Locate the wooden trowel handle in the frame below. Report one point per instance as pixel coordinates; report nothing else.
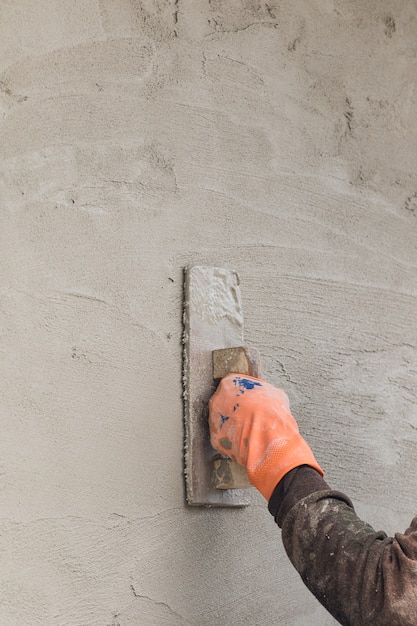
(228, 474)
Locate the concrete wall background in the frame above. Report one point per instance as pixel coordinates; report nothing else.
(276, 138)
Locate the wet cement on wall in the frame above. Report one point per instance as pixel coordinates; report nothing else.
(275, 138)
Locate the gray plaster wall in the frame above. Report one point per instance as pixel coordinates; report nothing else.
(276, 138)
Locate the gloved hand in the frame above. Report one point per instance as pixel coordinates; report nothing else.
(251, 422)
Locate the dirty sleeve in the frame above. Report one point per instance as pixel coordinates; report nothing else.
(361, 576)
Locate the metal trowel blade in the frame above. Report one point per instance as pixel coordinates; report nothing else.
(213, 319)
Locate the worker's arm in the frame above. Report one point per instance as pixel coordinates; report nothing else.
(362, 577)
(359, 575)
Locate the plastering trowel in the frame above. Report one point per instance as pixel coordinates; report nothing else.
(213, 347)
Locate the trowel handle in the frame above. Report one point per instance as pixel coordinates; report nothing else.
(228, 474)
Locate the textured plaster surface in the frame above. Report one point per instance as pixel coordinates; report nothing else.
(277, 138)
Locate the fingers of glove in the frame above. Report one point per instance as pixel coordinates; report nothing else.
(248, 412)
(235, 387)
(226, 431)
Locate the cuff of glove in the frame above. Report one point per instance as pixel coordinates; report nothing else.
(281, 456)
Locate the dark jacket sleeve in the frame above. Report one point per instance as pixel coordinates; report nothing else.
(362, 577)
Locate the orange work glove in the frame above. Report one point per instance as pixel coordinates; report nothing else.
(251, 422)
